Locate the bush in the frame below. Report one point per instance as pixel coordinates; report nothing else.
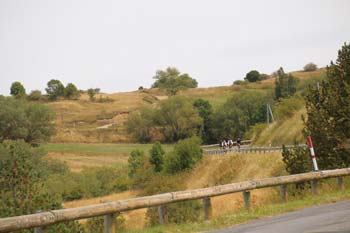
(71, 92)
(157, 156)
(54, 89)
(96, 225)
(239, 82)
(310, 67)
(186, 154)
(35, 95)
(287, 107)
(135, 161)
(252, 76)
(91, 92)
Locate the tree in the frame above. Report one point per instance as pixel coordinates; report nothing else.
(177, 119)
(285, 84)
(141, 124)
(328, 111)
(22, 171)
(186, 154)
(32, 122)
(91, 92)
(205, 111)
(238, 113)
(310, 67)
(135, 161)
(252, 76)
(157, 156)
(172, 81)
(71, 91)
(17, 90)
(54, 89)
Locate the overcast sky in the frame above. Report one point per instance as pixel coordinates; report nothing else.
(119, 45)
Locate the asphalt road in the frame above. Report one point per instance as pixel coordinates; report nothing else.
(330, 218)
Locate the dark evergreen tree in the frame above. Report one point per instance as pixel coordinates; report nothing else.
(286, 84)
(157, 156)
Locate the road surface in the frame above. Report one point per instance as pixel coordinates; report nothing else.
(330, 218)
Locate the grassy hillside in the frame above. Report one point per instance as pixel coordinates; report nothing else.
(84, 121)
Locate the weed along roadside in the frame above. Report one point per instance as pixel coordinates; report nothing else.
(110, 208)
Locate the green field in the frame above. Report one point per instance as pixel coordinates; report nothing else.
(102, 148)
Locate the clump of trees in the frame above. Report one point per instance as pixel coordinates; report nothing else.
(175, 119)
(31, 122)
(310, 67)
(172, 81)
(285, 84)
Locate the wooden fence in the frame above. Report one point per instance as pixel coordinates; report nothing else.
(249, 149)
(110, 209)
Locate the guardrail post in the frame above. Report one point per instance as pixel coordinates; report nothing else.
(110, 223)
(314, 187)
(207, 208)
(340, 182)
(38, 229)
(163, 215)
(246, 197)
(283, 192)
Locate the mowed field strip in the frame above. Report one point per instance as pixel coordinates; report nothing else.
(80, 155)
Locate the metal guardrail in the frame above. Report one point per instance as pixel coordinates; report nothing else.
(250, 149)
(244, 142)
(110, 209)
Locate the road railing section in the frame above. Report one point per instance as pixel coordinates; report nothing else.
(250, 149)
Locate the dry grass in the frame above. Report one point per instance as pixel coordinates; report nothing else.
(285, 132)
(77, 161)
(208, 173)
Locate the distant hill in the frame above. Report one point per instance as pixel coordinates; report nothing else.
(103, 120)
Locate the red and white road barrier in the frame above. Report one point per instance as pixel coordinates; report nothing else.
(313, 156)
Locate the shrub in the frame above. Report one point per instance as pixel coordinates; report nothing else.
(91, 92)
(252, 76)
(157, 156)
(96, 225)
(71, 91)
(135, 161)
(186, 154)
(239, 82)
(296, 160)
(310, 67)
(35, 95)
(287, 107)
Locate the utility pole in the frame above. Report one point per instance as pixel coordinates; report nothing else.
(267, 114)
(272, 118)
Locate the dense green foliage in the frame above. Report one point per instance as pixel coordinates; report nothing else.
(71, 91)
(205, 111)
(54, 89)
(135, 161)
(297, 160)
(157, 156)
(17, 90)
(175, 119)
(22, 171)
(328, 109)
(186, 154)
(91, 93)
(239, 112)
(286, 85)
(171, 80)
(31, 122)
(252, 76)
